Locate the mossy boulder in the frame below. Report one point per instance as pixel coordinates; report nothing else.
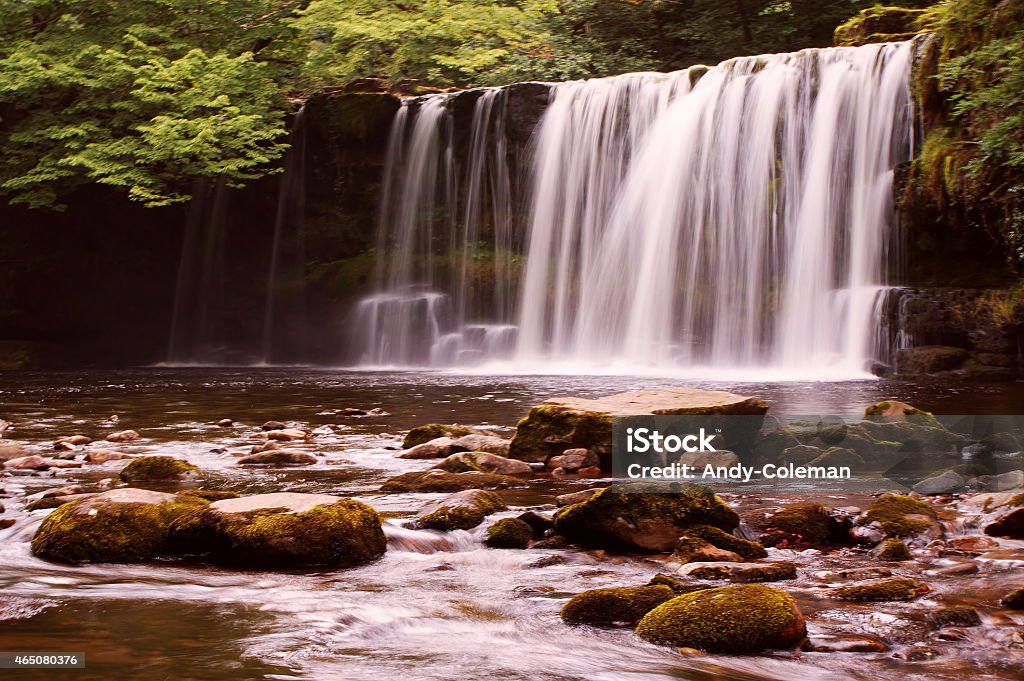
(158, 469)
(282, 530)
(879, 24)
(124, 525)
(509, 533)
(1014, 600)
(895, 589)
(461, 511)
(431, 431)
(733, 619)
(955, 616)
(891, 550)
(642, 521)
(900, 516)
(894, 410)
(565, 423)
(621, 605)
(442, 481)
(805, 524)
(749, 550)
(740, 572)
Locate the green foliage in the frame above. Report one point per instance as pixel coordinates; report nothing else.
(144, 96)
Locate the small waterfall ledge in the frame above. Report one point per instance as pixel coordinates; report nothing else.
(736, 218)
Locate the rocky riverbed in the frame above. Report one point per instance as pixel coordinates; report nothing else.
(487, 565)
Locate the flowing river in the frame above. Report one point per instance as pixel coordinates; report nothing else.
(437, 605)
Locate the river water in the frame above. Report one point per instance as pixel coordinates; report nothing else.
(436, 606)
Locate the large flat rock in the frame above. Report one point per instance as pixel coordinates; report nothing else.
(290, 502)
(564, 423)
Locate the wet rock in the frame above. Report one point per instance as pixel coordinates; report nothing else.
(838, 456)
(485, 463)
(6, 522)
(120, 526)
(971, 544)
(4, 427)
(283, 530)
(443, 481)
(461, 511)
(1010, 480)
(733, 619)
(749, 550)
(966, 567)
(895, 589)
(805, 524)
(481, 443)
(438, 448)
(100, 456)
(288, 435)
(642, 521)
(509, 533)
(54, 502)
(955, 616)
(265, 447)
(432, 431)
(73, 440)
(611, 606)
(546, 561)
(1014, 600)
(842, 643)
(570, 423)
(929, 359)
(740, 572)
(571, 460)
(701, 460)
(555, 541)
(209, 494)
(33, 462)
(902, 516)
(891, 550)
(61, 492)
(694, 550)
(540, 522)
(12, 451)
(678, 584)
(799, 455)
(158, 469)
(1009, 525)
(943, 483)
(918, 653)
(893, 410)
(273, 425)
(112, 419)
(590, 472)
(853, 573)
(225, 423)
(576, 497)
(278, 457)
(123, 436)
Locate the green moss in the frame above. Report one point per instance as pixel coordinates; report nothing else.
(464, 514)
(896, 589)
(432, 431)
(115, 533)
(442, 481)
(1016, 500)
(880, 24)
(955, 616)
(732, 619)
(1014, 600)
(749, 572)
(550, 429)
(342, 534)
(899, 515)
(606, 607)
(156, 469)
(892, 550)
(750, 550)
(803, 524)
(509, 533)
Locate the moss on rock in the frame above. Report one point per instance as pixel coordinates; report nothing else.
(158, 469)
(642, 521)
(800, 525)
(732, 619)
(1014, 600)
(442, 481)
(955, 616)
(900, 516)
(606, 607)
(509, 533)
(750, 550)
(880, 24)
(896, 589)
(120, 526)
(892, 550)
(431, 431)
(461, 511)
(282, 530)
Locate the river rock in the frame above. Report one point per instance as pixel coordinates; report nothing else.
(642, 521)
(843, 643)
(460, 511)
(576, 497)
(485, 463)
(273, 425)
(895, 589)
(73, 440)
(611, 606)
(898, 515)
(119, 526)
(476, 442)
(278, 457)
(12, 451)
(946, 482)
(33, 462)
(748, 550)
(740, 572)
(123, 436)
(283, 530)
(54, 502)
(799, 455)
(540, 522)
(158, 469)
(99, 456)
(225, 423)
(509, 533)
(442, 481)
(1014, 600)
(288, 435)
(432, 431)
(565, 423)
(802, 525)
(894, 410)
(733, 619)
(1010, 525)
(891, 550)
(955, 616)
(572, 460)
(438, 448)
(694, 550)
(62, 491)
(700, 460)
(1010, 480)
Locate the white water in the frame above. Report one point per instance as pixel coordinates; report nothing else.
(733, 220)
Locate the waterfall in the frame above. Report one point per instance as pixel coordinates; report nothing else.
(737, 217)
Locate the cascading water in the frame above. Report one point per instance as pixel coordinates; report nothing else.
(733, 217)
